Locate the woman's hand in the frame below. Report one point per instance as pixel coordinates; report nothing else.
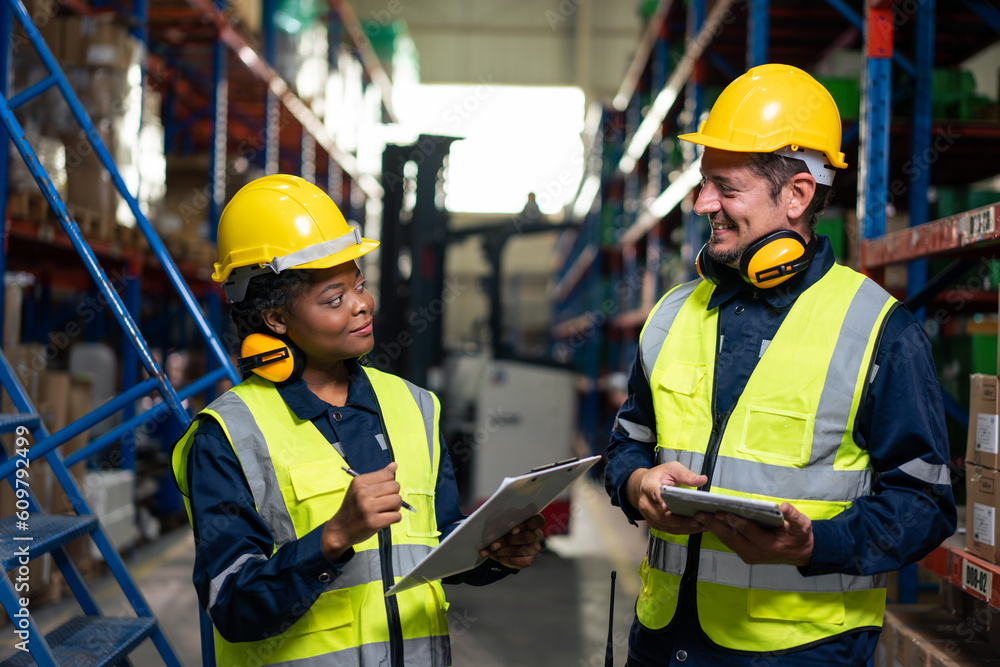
(518, 548)
(371, 504)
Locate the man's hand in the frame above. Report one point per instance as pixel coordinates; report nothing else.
(643, 491)
(518, 548)
(792, 544)
(372, 503)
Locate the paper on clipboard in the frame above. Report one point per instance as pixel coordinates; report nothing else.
(515, 500)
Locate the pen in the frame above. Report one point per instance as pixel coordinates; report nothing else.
(353, 473)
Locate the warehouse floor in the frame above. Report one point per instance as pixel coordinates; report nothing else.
(555, 613)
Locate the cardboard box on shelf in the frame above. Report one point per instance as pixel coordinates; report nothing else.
(110, 496)
(51, 153)
(69, 398)
(928, 649)
(104, 92)
(962, 653)
(981, 511)
(908, 639)
(29, 362)
(956, 600)
(97, 41)
(981, 447)
(50, 26)
(902, 628)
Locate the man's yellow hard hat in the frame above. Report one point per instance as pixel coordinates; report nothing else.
(770, 108)
(282, 222)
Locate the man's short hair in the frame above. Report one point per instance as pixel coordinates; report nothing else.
(777, 170)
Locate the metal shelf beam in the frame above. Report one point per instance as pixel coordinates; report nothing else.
(370, 61)
(638, 64)
(956, 234)
(264, 71)
(665, 99)
(757, 31)
(874, 138)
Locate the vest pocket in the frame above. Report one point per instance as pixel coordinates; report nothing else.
(658, 595)
(319, 487)
(826, 608)
(331, 610)
(677, 388)
(423, 522)
(772, 435)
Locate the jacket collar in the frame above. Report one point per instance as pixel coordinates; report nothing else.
(308, 406)
(783, 295)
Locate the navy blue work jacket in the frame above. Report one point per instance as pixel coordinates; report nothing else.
(901, 421)
(265, 594)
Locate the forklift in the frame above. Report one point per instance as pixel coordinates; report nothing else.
(503, 413)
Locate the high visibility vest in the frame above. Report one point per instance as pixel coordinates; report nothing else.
(297, 483)
(789, 438)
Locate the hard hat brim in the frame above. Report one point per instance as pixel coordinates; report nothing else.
(714, 142)
(345, 255)
(342, 257)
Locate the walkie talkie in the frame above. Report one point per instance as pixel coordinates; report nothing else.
(609, 655)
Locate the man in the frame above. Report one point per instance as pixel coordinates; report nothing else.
(781, 376)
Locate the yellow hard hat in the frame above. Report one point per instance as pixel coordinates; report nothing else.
(774, 108)
(282, 222)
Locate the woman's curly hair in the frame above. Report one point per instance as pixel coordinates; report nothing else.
(268, 291)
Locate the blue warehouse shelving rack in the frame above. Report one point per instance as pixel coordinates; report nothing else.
(30, 533)
(223, 97)
(637, 234)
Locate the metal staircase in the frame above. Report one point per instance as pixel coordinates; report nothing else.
(90, 639)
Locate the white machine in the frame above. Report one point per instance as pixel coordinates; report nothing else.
(516, 416)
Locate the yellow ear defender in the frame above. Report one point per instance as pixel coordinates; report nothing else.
(767, 262)
(272, 358)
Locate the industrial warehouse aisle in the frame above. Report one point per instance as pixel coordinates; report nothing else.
(554, 613)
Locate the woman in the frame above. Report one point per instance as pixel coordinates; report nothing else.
(295, 479)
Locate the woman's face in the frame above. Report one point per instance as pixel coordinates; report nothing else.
(331, 319)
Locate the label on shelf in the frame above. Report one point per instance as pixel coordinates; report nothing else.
(982, 223)
(986, 433)
(983, 523)
(977, 579)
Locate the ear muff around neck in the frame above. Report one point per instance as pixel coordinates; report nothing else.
(776, 257)
(767, 262)
(713, 271)
(272, 358)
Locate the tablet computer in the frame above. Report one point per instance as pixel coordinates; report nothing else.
(686, 502)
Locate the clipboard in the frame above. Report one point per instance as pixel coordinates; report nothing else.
(515, 500)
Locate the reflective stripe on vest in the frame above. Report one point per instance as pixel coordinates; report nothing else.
(654, 332)
(251, 449)
(789, 437)
(751, 476)
(363, 568)
(366, 567)
(297, 484)
(728, 569)
(424, 651)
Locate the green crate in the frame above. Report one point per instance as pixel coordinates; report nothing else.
(951, 201)
(834, 229)
(846, 92)
(983, 353)
(949, 81)
(979, 198)
(953, 93)
(647, 8)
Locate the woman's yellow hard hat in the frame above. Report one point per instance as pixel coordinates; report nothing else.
(282, 222)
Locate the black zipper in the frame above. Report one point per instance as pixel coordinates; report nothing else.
(391, 604)
(385, 557)
(719, 421)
